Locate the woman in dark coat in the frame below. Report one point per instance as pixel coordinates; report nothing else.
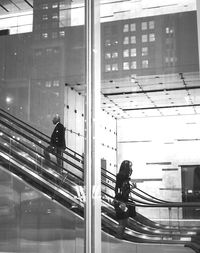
(122, 192)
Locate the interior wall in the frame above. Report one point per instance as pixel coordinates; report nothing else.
(74, 124)
(158, 147)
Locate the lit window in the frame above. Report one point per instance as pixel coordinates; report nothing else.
(107, 43)
(144, 51)
(133, 27)
(107, 55)
(126, 40)
(144, 25)
(133, 65)
(45, 35)
(144, 38)
(56, 83)
(169, 30)
(126, 53)
(48, 84)
(133, 39)
(126, 28)
(126, 65)
(62, 33)
(55, 16)
(145, 64)
(115, 67)
(152, 37)
(166, 59)
(151, 24)
(54, 35)
(107, 68)
(55, 5)
(44, 6)
(115, 55)
(63, 5)
(45, 17)
(133, 52)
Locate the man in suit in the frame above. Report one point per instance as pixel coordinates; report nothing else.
(57, 142)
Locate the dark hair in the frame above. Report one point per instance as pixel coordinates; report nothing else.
(126, 168)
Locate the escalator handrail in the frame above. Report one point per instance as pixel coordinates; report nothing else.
(113, 180)
(36, 152)
(156, 200)
(69, 162)
(14, 119)
(41, 146)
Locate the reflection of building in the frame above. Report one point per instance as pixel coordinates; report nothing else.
(150, 45)
(53, 55)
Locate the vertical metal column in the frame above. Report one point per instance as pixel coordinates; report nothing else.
(92, 156)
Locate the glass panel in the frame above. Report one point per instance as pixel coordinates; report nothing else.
(154, 97)
(42, 73)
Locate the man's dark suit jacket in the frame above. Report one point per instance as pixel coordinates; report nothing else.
(58, 136)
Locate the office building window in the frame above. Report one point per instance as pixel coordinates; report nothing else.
(55, 5)
(152, 37)
(133, 27)
(126, 40)
(56, 83)
(133, 52)
(44, 35)
(115, 55)
(55, 24)
(55, 16)
(56, 50)
(48, 84)
(133, 39)
(126, 53)
(54, 35)
(126, 28)
(133, 65)
(151, 24)
(62, 33)
(49, 50)
(144, 51)
(125, 65)
(107, 55)
(115, 67)
(45, 17)
(38, 52)
(107, 68)
(169, 30)
(44, 6)
(145, 64)
(144, 38)
(167, 59)
(144, 25)
(107, 43)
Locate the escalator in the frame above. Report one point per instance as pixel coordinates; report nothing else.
(21, 154)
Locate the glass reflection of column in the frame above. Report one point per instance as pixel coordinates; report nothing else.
(92, 158)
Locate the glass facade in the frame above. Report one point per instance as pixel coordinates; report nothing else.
(124, 78)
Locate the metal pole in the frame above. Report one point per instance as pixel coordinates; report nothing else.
(92, 157)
